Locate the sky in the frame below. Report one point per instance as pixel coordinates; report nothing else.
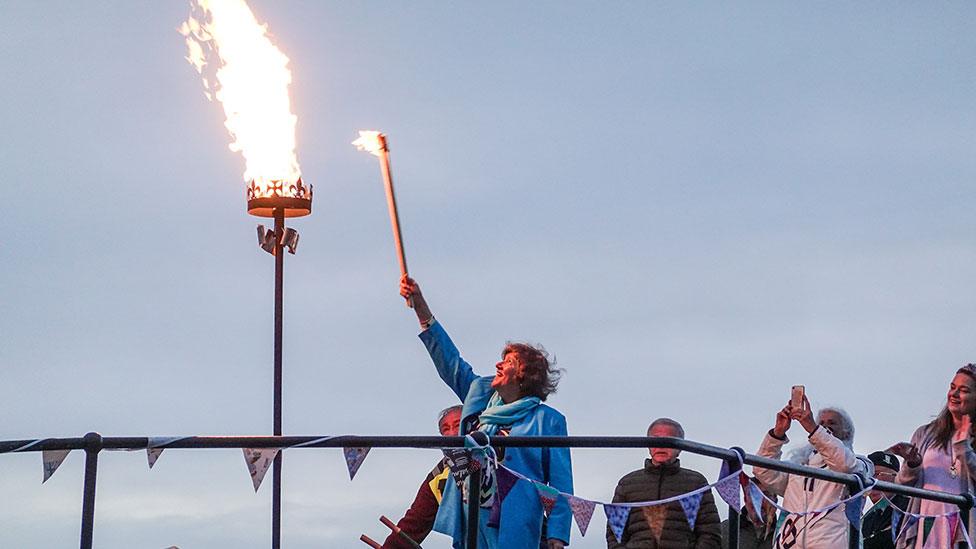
(692, 206)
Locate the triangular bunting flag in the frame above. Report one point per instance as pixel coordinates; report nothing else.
(953, 521)
(354, 459)
(152, 454)
(728, 490)
(504, 480)
(616, 519)
(927, 525)
(548, 496)
(52, 459)
(258, 460)
(896, 515)
(908, 523)
(655, 515)
(155, 447)
(690, 506)
(755, 497)
(853, 510)
(582, 512)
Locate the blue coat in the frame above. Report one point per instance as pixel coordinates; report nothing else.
(521, 513)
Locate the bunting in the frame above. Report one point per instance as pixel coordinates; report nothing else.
(548, 496)
(505, 482)
(616, 519)
(582, 512)
(728, 490)
(690, 506)
(258, 460)
(155, 447)
(909, 522)
(754, 498)
(927, 524)
(896, 516)
(853, 510)
(354, 459)
(655, 516)
(953, 521)
(52, 459)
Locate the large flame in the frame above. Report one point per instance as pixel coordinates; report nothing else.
(250, 81)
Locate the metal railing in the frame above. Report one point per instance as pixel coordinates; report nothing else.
(93, 444)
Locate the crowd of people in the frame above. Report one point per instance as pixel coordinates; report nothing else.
(940, 456)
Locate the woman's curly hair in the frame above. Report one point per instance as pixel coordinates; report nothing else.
(537, 374)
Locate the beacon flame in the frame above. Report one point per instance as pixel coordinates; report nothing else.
(249, 75)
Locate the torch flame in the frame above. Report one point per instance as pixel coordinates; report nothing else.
(369, 141)
(250, 81)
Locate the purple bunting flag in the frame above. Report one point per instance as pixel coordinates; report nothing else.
(853, 509)
(582, 512)
(728, 490)
(354, 459)
(953, 521)
(505, 480)
(690, 506)
(616, 519)
(910, 522)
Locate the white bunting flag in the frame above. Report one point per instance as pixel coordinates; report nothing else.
(155, 447)
(354, 459)
(52, 460)
(258, 460)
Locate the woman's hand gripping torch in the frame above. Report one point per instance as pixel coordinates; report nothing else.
(375, 143)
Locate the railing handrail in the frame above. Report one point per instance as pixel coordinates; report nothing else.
(434, 442)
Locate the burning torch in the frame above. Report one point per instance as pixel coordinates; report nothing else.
(375, 144)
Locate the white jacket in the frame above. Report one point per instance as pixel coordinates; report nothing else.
(822, 530)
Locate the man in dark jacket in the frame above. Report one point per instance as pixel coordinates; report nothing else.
(662, 477)
(876, 524)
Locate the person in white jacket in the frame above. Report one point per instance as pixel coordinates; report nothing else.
(831, 443)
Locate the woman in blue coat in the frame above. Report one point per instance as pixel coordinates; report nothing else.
(510, 402)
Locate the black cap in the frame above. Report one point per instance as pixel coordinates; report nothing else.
(884, 459)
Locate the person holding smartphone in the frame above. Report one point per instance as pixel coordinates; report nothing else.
(830, 436)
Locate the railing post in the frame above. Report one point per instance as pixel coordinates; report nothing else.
(854, 532)
(93, 445)
(964, 517)
(734, 465)
(474, 506)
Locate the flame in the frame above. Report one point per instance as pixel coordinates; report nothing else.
(369, 141)
(250, 79)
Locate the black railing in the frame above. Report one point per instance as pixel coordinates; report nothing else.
(93, 443)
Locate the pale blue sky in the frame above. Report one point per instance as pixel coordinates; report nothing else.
(693, 207)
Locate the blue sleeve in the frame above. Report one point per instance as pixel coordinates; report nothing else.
(560, 478)
(455, 372)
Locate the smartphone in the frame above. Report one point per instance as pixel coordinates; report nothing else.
(796, 397)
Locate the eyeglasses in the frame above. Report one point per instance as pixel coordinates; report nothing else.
(882, 475)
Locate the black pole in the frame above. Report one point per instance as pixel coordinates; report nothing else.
(964, 509)
(93, 445)
(279, 230)
(474, 505)
(734, 465)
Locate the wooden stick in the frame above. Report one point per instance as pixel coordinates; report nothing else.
(396, 530)
(392, 207)
(366, 539)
